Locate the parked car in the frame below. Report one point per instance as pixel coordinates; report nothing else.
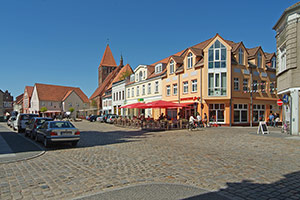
(101, 118)
(33, 124)
(57, 131)
(93, 118)
(22, 118)
(10, 121)
(111, 118)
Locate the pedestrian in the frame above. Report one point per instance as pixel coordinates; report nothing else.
(199, 119)
(271, 119)
(205, 120)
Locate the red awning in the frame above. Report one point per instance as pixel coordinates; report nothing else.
(134, 105)
(164, 104)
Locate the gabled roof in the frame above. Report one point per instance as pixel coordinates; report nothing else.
(19, 99)
(253, 51)
(287, 10)
(269, 56)
(101, 89)
(57, 93)
(197, 51)
(29, 90)
(177, 59)
(108, 58)
(119, 77)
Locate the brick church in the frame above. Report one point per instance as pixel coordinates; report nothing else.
(107, 71)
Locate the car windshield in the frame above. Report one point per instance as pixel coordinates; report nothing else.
(27, 117)
(61, 125)
(41, 121)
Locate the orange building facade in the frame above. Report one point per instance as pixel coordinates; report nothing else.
(228, 82)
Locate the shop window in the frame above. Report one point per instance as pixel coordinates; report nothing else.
(240, 113)
(216, 112)
(258, 112)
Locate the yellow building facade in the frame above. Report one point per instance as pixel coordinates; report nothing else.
(218, 77)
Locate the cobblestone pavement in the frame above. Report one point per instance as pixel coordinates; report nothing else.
(227, 161)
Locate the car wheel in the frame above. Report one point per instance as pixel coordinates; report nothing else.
(74, 143)
(46, 142)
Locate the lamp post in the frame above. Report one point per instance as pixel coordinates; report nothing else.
(251, 98)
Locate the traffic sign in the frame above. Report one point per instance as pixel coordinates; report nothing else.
(279, 102)
(285, 98)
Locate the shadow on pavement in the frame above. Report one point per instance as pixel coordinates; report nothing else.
(97, 138)
(286, 188)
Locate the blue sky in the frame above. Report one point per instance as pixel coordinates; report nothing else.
(62, 41)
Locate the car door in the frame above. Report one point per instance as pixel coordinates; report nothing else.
(41, 131)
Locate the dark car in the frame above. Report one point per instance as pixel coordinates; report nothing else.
(33, 124)
(93, 118)
(58, 131)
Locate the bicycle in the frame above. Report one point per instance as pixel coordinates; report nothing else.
(193, 126)
(285, 128)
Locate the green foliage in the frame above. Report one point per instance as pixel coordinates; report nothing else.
(124, 75)
(71, 109)
(43, 109)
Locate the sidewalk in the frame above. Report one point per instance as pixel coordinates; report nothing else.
(15, 147)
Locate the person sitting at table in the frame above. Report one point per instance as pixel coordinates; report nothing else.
(161, 117)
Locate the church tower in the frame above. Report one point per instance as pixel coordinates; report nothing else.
(107, 65)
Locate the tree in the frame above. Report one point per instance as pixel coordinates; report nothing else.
(125, 74)
(71, 109)
(43, 109)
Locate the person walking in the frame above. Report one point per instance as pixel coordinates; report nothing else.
(271, 119)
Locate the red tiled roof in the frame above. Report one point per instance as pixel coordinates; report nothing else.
(108, 58)
(19, 99)
(101, 89)
(29, 90)
(269, 56)
(118, 77)
(57, 93)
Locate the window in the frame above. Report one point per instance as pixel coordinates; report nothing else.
(138, 91)
(217, 84)
(156, 86)
(216, 112)
(174, 89)
(149, 88)
(70, 104)
(144, 90)
(263, 86)
(241, 56)
(141, 76)
(274, 63)
(282, 58)
(245, 85)
(50, 103)
(168, 90)
(123, 95)
(132, 92)
(158, 68)
(272, 87)
(128, 93)
(258, 112)
(114, 96)
(217, 56)
(43, 103)
(117, 96)
(185, 87)
(194, 85)
(190, 61)
(254, 85)
(236, 84)
(120, 95)
(172, 67)
(258, 60)
(240, 113)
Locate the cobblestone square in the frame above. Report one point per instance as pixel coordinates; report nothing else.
(234, 162)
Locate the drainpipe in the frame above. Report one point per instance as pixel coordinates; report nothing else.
(251, 98)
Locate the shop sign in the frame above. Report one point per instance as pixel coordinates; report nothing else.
(141, 99)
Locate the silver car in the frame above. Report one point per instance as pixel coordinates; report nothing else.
(58, 131)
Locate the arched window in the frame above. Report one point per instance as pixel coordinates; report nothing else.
(241, 56)
(172, 67)
(190, 61)
(258, 59)
(274, 63)
(217, 55)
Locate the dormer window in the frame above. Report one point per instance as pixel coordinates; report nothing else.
(140, 76)
(258, 60)
(158, 68)
(190, 61)
(131, 77)
(274, 63)
(241, 56)
(172, 67)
